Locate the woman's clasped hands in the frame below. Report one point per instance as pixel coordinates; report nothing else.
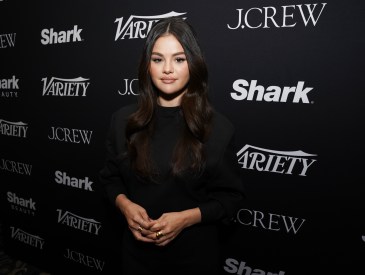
(160, 231)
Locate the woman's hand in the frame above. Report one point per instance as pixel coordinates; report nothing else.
(137, 218)
(169, 225)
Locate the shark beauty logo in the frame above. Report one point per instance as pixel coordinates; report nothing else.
(9, 87)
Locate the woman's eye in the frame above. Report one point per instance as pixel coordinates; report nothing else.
(180, 59)
(156, 60)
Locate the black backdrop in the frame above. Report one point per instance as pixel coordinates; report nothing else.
(289, 75)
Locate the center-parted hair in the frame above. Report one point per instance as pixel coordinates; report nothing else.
(195, 106)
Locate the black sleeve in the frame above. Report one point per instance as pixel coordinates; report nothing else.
(110, 176)
(225, 188)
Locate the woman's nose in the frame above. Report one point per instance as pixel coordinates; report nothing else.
(168, 68)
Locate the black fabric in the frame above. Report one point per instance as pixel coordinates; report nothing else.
(218, 193)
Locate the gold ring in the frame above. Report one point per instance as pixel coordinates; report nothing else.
(159, 234)
(139, 228)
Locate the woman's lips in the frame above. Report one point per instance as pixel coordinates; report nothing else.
(168, 80)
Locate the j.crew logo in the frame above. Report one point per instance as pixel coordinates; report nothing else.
(16, 167)
(7, 40)
(85, 260)
(284, 17)
(269, 221)
(70, 135)
(129, 87)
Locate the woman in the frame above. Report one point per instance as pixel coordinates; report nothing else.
(171, 167)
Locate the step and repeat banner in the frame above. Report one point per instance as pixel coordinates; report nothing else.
(288, 74)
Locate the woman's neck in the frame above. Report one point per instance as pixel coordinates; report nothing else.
(169, 103)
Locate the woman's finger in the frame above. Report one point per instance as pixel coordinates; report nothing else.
(140, 237)
(165, 241)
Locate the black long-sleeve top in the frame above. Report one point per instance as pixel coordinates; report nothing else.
(218, 192)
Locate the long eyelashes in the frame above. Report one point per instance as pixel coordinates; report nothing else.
(156, 60)
(177, 60)
(180, 59)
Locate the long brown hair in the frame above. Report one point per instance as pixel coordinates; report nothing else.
(195, 106)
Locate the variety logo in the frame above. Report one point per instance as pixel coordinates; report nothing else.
(9, 87)
(72, 220)
(65, 87)
(269, 221)
(14, 129)
(235, 267)
(85, 260)
(26, 206)
(282, 162)
(129, 87)
(138, 26)
(254, 92)
(283, 17)
(24, 237)
(7, 40)
(63, 178)
(16, 167)
(70, 135)
(49, 36)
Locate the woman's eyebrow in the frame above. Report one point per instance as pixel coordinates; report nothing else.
(160, 54)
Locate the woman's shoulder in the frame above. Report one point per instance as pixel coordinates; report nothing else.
(125, 111)
(221, 137)
(221, 124)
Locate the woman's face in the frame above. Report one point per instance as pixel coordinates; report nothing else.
(169, 70)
